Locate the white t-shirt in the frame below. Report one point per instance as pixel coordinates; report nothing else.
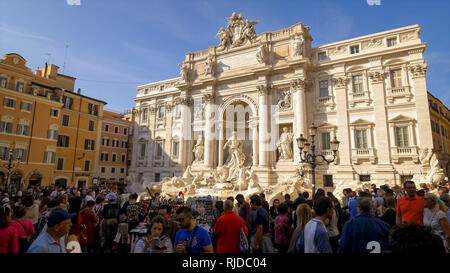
(432, 218)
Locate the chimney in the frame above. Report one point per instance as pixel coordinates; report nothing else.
(79, 91)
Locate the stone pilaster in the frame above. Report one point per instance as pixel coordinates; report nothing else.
(209, 132)
(300, 125)
(263, 125)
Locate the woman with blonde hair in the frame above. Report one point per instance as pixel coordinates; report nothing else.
(304, 215)
(435, 218)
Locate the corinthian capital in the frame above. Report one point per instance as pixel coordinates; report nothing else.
(298, 84)
(418, 70)
(179, 100)
(340, 82)
(376, 76)
(209, 98)
(263, 89)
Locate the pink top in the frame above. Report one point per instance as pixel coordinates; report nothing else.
(9, 240)
(25, 228)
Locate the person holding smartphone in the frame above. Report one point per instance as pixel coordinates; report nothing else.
(155, 241)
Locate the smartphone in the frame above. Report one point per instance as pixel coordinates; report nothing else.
(155, 242)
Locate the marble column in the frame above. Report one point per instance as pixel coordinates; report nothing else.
(255, 151)
(263, 126)
(340, 86)
(300, 125)
(221, 143)
(185, 131)
(209, 133)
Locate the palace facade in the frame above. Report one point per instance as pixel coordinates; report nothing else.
(369, 92)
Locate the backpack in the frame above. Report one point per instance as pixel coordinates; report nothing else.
(243, 241)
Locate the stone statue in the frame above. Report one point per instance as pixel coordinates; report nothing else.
(187, 176)
(284, 144)
(198, 179)
(238, 32)
(284, 102)
(210, 65)
(425, 155)
(198, 111)
(298, 45)
(263, 54)
(199, 149)
(242, 181)
(184, 71)
(236, 157)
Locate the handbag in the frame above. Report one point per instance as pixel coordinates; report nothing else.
(243, 241)
(83, 237)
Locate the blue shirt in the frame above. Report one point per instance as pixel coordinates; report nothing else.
(362, 233)
(200, 240)
(46, 244)
(352, 207)
(314, 238)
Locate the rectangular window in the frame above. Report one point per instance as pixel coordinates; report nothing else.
(89, 144)
(106, 127)
(402, 136)
(144, 114)
(158, 148)
(323, 86)
(49, 157)
(391, 42)
(87, 164)
(103, 170)
(26, 106)
(113, 170)
(4, 153)
(93, 109)
(52, 134)
(357, 83)
(432, 126)
(60, 164)
(176, 148)
(124, 144)
(326, 141)
(157, 177)
(122, 170)
(361, 138)
(3, 82)
(91, 125)
(65, 120)
(161, 110)
(328, 181)
(63, 141)
(125, 131)
(20, 86)
(143, 147)
(6, 127)
(67, 102)
(54, 113)
(396, 76)
(364, 178)
(114, 158)
(354, 49)
(9, 103)
(23, 130)
(123, 158)
(116, 129)
(20, 155)
(322, 56)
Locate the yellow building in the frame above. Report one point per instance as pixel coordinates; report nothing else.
(30, 116)
(440, 126)
(53, 130)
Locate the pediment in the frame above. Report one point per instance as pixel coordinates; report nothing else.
(361, 121)
(401, 118)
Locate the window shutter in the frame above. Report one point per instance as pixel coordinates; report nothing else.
(2, 126)
(93, 145)
(49, 134)
(24, 155)
(19, 129)
(85, 144)
(9, 127)
(45, 157)
(26, 130)
(53, 157)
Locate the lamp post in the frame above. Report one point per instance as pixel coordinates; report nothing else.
(308, 153)
(10, 166)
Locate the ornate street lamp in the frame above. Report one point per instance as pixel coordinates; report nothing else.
(310, 157)
(10, 166)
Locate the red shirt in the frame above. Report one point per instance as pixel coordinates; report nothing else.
(227, 228)
(9, 240)
(411, 210)
(25, 228)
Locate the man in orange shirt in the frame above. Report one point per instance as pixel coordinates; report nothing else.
(410, 206)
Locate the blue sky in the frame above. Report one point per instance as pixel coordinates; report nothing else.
(116, 45)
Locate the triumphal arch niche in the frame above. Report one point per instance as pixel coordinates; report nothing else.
(228, 124)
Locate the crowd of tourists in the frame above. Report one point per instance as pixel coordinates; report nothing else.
(101, 220)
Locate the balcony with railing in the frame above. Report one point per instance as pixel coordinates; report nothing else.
(398, 92)
(363, 154)
(406, 153)
(359, 97)
(327, 101)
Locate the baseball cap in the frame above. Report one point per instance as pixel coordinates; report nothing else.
(58, 216)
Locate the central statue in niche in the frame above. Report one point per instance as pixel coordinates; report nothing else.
(236, 157)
